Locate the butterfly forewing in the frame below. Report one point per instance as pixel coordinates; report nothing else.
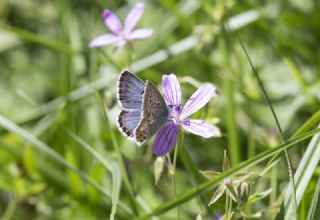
(130, 91)
(130, 95)
(154, 114)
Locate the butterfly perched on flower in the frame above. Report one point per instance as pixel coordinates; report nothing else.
(146, 112)
(144, 109)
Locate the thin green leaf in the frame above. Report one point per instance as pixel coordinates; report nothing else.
(210, 174)
(240, 177)
(288, 160)
(226, 163)
(47, 150)
(212, 183)
(217, 194)
(36, 39)
(314, 211)
(101, 158)
(233, 193)
(258, 196)
(312, 121)
(304, 172)
(116, 187)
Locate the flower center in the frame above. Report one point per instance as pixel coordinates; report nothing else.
(175, 113)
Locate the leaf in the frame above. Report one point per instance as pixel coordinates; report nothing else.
(304, 173)
(212, 183)
(233, 193)
(75, 185)
(287, 157)
(217, 194)
(210, 174)
(226, 163)
(48, 151)
(314, 211)
(240, 177)
(29, 160)
(257, 196)
(199, 217)
(116, 187)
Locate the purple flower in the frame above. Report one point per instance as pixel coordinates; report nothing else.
(179, 115)
(121, 34)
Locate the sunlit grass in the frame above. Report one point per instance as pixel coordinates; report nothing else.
(62, 157)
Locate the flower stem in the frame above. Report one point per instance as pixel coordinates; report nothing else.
(129, 56)
(106, 55)
(172, 171)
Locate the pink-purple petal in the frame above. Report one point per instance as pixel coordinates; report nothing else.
(133, 17)
(201, 97)
(171, 89)
(140, 34)
(201, 128)
(103, 40)
(165, 139)
(112, 21)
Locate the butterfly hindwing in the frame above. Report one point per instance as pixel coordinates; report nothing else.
(130, 91)
(154, 114)
(128, 122)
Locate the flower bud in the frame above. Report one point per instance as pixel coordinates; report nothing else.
(158, 168)
(244, 193)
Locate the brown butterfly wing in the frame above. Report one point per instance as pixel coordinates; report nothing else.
(155, 113)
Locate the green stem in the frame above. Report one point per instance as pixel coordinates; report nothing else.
(129, 55)
(106, 55)
(8, 213)
(173, 174)
(288, 160)
(214, 182)
(233, 139)
(120, 158)
(274, 184)
(174, 185)
(230, 206)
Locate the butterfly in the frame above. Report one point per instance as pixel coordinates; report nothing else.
(144, 110)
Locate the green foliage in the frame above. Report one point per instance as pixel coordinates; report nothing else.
(62, 157)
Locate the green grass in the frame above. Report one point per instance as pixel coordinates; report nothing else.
(62, 157)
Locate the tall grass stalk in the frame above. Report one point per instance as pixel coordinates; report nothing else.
(267, 154)
(125, 177)
(288, 160)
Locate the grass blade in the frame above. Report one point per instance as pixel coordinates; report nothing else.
(33, 38)
(111, 166)
(116, 187)
(288, 160)
(304, 172)
(314, 211)
(44, 148)
(102, 159)
(212, 183)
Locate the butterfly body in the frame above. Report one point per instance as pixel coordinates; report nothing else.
(144, 110)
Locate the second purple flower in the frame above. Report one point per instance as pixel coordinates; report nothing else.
(121, 34)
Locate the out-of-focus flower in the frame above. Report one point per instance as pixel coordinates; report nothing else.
(121, 34)
(158, 168)
(179, 116)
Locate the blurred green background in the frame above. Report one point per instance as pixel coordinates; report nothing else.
(56, 88)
